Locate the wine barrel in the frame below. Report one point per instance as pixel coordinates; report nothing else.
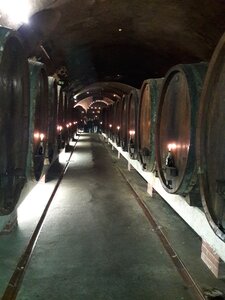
(105, 121)
(61, 108)
(211, 141)
(147, 111)
(38, 118)
(176, 128)
(105, 115)
(67, 110)
(116, 128)
(61, 119)
(52, 117)
(123, 122)
(110, 113)
(68, 132)
(132, 121)
(14, 120)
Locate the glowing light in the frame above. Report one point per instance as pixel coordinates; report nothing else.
(100, 123)
(172, 146)
(36, 135)
(118, 127)
(59, 128)
(18, 12)
(120, 29)
(132, 132)
(110, 125)
(42, 136)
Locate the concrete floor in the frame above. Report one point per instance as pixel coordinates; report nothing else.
(96, 242)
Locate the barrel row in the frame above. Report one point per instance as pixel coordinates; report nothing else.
(130, 122)
(175, 127)
(30, 112)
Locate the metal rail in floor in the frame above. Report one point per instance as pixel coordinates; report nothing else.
(95, 242)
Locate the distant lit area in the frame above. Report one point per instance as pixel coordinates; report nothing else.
(17, 12)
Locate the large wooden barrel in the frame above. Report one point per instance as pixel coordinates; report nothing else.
(211, 141)
(38, 118)
(132, 121)
(68, 131)
(123, 122)
(61, 119)
(106, 116)
(67, 109)
(116, 128)
(149, 99)
(61, 107)
(109, 131)
(14, 120)
(105, 121)
(176, 128)
(52, 117)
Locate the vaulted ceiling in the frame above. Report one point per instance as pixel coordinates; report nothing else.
(127, 41)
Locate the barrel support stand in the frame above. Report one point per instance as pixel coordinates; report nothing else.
(212, 260)
(193, 198)
(11, 223)
(129, 167)
(150, 185)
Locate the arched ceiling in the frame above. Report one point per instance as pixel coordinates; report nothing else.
(98, 90)
(124, 41)
(88, 102)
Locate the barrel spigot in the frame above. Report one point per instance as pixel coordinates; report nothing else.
(131, 148)
(131, 143)
(171, 169)
(170, 162)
